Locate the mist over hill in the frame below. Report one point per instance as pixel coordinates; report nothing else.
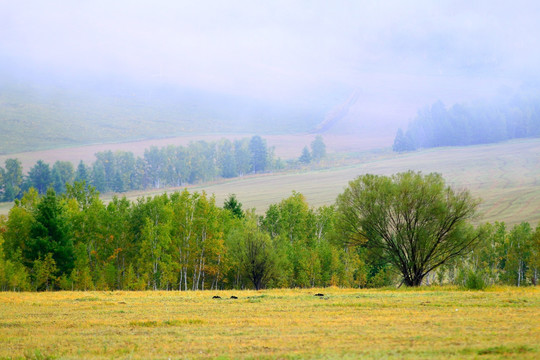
(73, 73)
(48, 114)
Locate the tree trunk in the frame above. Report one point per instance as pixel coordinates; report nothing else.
(185, 278)
(519, 273)
(414, 281)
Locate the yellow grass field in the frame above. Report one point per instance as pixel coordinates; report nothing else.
(425, 323)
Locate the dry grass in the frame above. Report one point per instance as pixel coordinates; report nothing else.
(430, 323)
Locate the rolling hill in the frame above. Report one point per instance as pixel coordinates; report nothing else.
(40, 115)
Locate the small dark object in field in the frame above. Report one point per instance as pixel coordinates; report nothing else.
(319, 294)
(216, 297)
(234, 297)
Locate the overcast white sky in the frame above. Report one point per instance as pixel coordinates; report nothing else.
(275, 49)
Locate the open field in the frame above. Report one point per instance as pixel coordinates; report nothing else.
(505, 176)
(429, 323)
(286, 147)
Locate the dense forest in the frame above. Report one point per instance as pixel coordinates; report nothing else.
(170, 166)
(185, 241)
(515, 117)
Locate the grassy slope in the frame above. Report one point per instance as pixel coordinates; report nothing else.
(429, 323)
(505, 176)
(52, 116)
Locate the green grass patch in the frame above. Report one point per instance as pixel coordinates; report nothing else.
(505, 350)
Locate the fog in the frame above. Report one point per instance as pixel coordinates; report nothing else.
(373, 62)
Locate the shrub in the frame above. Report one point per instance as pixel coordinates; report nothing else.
(474, 280)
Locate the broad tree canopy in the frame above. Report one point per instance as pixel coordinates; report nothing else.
(417, 221)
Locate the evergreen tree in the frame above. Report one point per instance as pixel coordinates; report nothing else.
(50, 234)
(305, 158)
(39, 177)
(62, 174)
(402, 142)
(82, 174)
(234, 206)
(318, 149)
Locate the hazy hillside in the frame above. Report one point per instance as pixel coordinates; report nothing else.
(383, 103)
(95, 73)
(508, 116)
(45, 115)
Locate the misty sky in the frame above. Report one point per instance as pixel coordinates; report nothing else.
(281, 49)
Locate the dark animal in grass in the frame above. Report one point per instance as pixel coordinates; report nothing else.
(234, 297)
(319, 294)
(216, 297)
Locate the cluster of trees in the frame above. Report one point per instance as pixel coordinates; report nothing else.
(158, 167)
(317, 153)
(479, 123)
(178, 241)
(170, 166)
(501, 256)
(382, 230)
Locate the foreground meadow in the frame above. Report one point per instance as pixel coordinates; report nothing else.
(345, 323)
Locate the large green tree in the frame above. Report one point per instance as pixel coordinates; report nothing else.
(416, 220)
(50, 233)
(257, 256)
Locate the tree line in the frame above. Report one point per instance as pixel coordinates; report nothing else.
(380, 231)
(170, 166)
(514, 117)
